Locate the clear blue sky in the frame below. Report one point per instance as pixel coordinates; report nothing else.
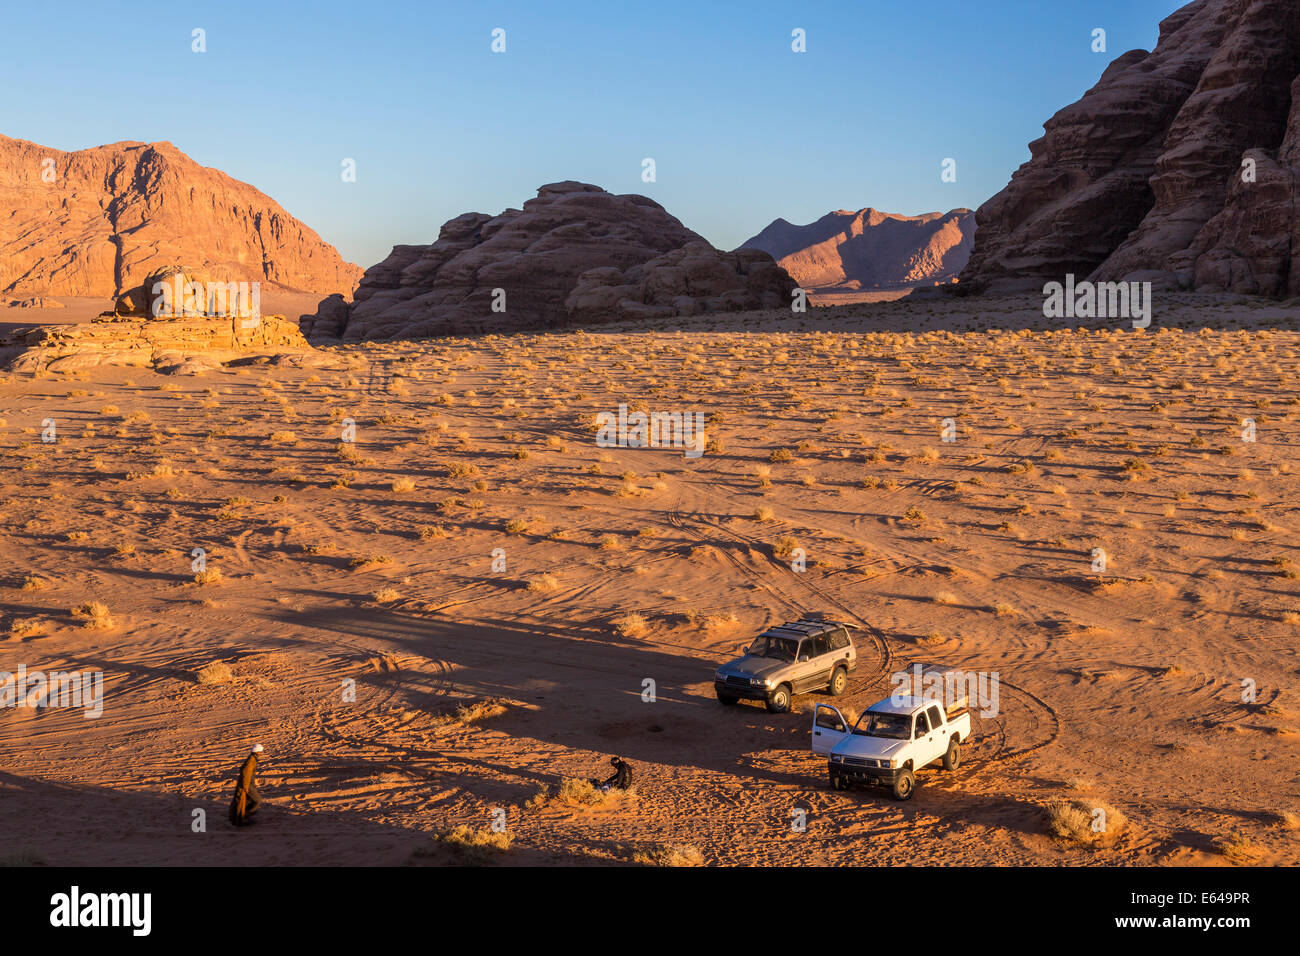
(742, 129)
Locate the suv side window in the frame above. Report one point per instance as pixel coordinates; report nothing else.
(935, 717)
(839, 639)
(820, 645)
(922, 726)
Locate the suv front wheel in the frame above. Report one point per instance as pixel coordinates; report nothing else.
(778, 702)
(904, 785)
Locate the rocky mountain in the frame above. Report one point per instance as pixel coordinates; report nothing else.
(96, 222)
(1179, 166)
(575, 253)
(869, 249)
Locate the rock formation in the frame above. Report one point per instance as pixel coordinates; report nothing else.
(32, 302)
(694, 279)
(181, 345)
(576, 253)
(868, 249)
(96, 222)
(1178, 167)
(179, 320)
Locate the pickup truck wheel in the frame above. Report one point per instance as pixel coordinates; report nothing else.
(779, 700)
(837, 782)
(727, 700)
(952, 759)
(839, 682)
(904, 785)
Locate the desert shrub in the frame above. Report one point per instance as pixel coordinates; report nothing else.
(94, 615)
(667, 854)
(467, 846)
(217, 672)
(1075, 819)
(631, 625)
(784, 547)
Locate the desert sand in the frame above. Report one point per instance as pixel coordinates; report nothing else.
(372, 560)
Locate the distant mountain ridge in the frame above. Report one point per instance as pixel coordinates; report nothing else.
(96, 222)
(870, 249)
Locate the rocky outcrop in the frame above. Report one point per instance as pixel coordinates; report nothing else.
(532, 268)
(869, 249)
(1146, 175)
(96, 222)
(33, 302)
(694, 279)
(178, 290)
(184, 344)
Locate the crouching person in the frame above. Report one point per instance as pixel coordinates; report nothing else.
(621, 779)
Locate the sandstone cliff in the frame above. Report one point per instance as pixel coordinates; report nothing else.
(1145, 176)
(96, 221)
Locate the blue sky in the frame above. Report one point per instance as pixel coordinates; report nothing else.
(742, 129)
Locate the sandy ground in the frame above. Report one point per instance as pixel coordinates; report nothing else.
(627, 565)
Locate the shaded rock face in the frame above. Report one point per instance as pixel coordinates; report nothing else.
(536, 256)
(1143, 177)
(694, 279)
(111, 215)
(869, 249)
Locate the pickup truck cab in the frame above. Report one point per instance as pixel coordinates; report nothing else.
(890, 742)
(794, 658)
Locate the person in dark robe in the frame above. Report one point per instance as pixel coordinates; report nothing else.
(247, 799)
(622, 778)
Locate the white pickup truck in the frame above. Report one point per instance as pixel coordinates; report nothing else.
(891, 741)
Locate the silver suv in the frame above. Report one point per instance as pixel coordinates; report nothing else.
(791, 659)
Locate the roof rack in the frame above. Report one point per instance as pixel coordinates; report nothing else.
(805, 627)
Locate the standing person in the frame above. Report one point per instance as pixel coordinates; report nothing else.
(247, 799)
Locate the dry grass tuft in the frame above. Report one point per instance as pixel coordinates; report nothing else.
(667, 854)
(472, 711)
(1239, 849)
(1085, 821)
(93, 615)
(574, 792)
(216, 673)
(467, 846)
(631, 625)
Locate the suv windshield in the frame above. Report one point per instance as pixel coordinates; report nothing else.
(778, 648)
(893, 726)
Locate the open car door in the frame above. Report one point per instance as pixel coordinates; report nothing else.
(829, 728)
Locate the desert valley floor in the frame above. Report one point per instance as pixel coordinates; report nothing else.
(476, 688)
